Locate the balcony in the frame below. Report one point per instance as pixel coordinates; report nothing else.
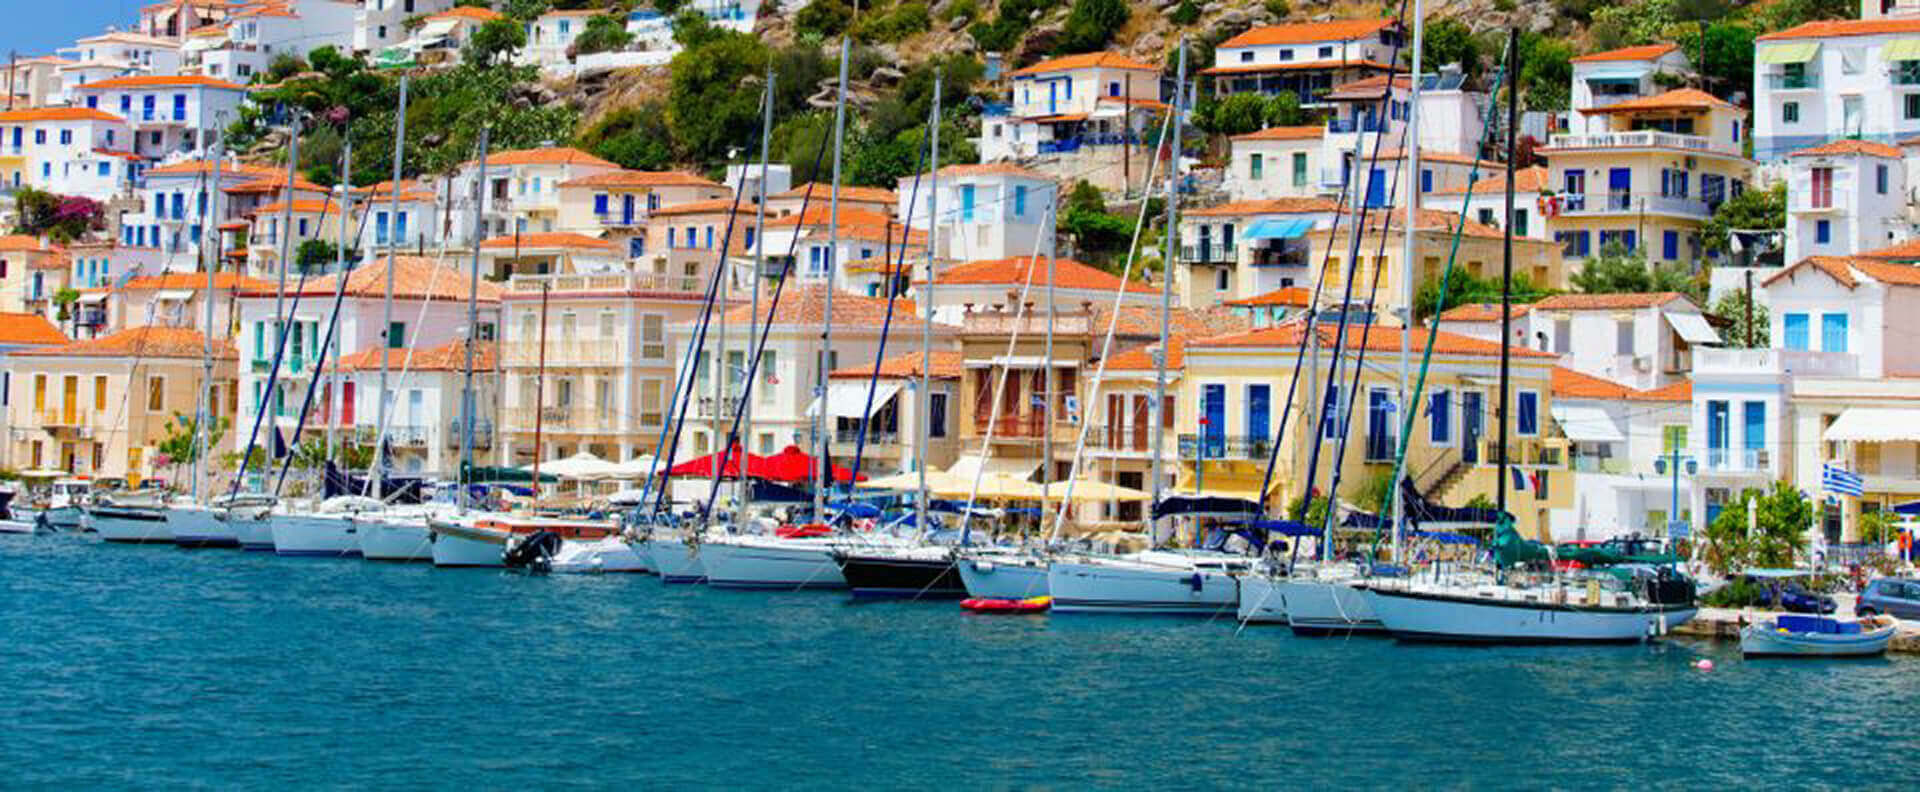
(603, 353)
(709, 407)
(1527, 451)
(1739, 460)
(621, 219)
(1207, 254)
(1016, 427)
(1334, 177)
(609, 282)
(1711, 361)
(482, 434)
(1340, 126)
(1252, 447)
(876, 437)
(1608, 203)
(1101, 438)
(1906, 76)
(1593, 463)
(1287, 257)
(66, 419)
(1645, 138)
(1793, 82)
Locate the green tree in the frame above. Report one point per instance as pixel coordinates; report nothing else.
(1728, 68)
(1238, 114)
(1620, 271)
(494, 42)
(632, 137)
(1186, 13)
(1090, 25)
(1546, 70)
(1449, 41)
(1465, 289)
(526, 10)
(707, 108)
(1782, 517)
(604, 33)
(1784, 14)
(1732, 309)
(179, 442)
(904, 19)
(1878, 527)
(1283, 109)
(1753, 210)
(823, 18)
(63, 301)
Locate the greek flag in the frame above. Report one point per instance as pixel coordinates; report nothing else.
(1836, 479)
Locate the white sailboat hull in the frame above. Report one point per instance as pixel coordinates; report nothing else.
(770, 564)
(315, 536)
(198, 526)
(460, 551)
(1261, 601)
(611, 554)
(65, 518)
(254, 531)
(395, 540)
(1320, 607)
(676, 564)
(131, 525)
(1109, 587)
(1013, 577)
(1465, 618)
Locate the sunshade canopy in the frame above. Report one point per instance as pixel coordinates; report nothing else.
(1875, 425)
(1586, 424)
(1901, 49)
(1277, 228)
(1090, 491)
(849, 399)
(1796, 52)
(1693, 328)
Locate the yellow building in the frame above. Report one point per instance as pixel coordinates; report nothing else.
(1238, 384)
(1382, 246)
(100, 406)
(32, 270)
(1646, 173)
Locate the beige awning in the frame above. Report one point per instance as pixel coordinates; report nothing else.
(1797, 52)
(1901, 49)
(1875, 425)
(1007, 466)
(1089, 491)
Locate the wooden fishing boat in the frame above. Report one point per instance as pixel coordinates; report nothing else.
(1792, 635)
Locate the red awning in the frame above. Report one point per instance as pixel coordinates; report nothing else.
(794, 466)
(704, 465)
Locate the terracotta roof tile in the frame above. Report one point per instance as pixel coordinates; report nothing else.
(1481, 312)
(299, 207)
(1090, 60)
(451, 356)
(1835, 28)
(806, 305)
(1314, 132)
(470, 13)
(1534, 179)
(558, 155)
(29, 328)
(1676, 99)
(549, 239)
(1289, 297)
(196, 280)
(56, 114)
(1308, 32)
(162, 81)
(1909, 249)
(146, 342)
(823, 192)
(1140, 358)
(1388, 340)
(1603, 302)
(1266, 206)
(194, 167)
(415, 278)
(631, 178)
(23, 243)
(1374, 87)
(1849, 146)
(1643, 52)
(947, 364)
(274, 184)
(1570, 384)
(1068, 274)
(1142, 322)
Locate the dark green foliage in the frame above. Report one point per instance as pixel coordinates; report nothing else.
(1091, 25)
(631, 137)
(1187, 13)
(1728, 67)
(1618, 271)
(494, 42)
(318, 255)
(1237, 114)
(1732, 308)
(823, 18)
(1782, 517)
(1463, 289)
(1752, 210)
(894, 24)
(1546, 69)
(604, 33)
(709, 104)
(1449, 41)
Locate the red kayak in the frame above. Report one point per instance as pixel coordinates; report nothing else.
(999, 605)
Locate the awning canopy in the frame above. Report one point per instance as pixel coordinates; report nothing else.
(1797, 52)
(1875, 425)
(849, 399)
(94, 297)
(1693, 328)
(1617, 74)
(1901, 49)
(1226, 479)
(438, 28)
(1586, 424)
(1012, 467)
(173, 295)
(1277, 228)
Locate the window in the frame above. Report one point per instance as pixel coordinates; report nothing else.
(397, 335)
(1880, 178)
(1790, 112)
(1286, 54)
(1330, 414)
(100, 392)
(1670, 245)
(1440, 418)
(1426, 183)
(1299, 169)
(1795, 325)
(66, 137)
(1254, 166)
(966, 203)
(39, 391)
(1519, 221)
(1528, 409)
(1246, 56)
(1623, 337)
(1486, 217)
(1113, 89)
(1019, 200)
(1220, 281)
(1822, 194)
(1574, 244)
(1822, 231)
(937, 415)
(1833, 332)
(1562, 336)
(156, 394)
(1326, 52)
(1911, 107)
(653, 336)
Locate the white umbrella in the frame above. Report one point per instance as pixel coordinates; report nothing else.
(643, 466)
(582, 466)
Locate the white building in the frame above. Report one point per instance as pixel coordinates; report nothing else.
(1834, 79)
(380, 24)
(523, 190)
(1605, 78)
(1615, 436)
(1486, 201)
(990, 211)
(1306, 59)
(1057, 106)
(1245, 249)
(292, 27)
(424, 426)
(68, 151)
(1845, 197)
(1641, 341)
(172, 117)
(1276, 162)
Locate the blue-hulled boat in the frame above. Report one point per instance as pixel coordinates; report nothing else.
(1791, 635)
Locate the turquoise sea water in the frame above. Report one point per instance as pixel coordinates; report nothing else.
(145, 667)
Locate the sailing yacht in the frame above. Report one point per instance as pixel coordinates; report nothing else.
(130, 518)
(397, 533)
(250, 517)
(1173, 582)
(193, 524)
(1003, 572)
(330, 529)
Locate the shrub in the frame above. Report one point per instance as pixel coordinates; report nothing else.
(1279, 9)
(1187, 13)
(1091, 25)
(824, 18)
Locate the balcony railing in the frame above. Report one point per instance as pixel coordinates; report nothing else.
(848, 437)
(482, 434)
(525, 352)
(621, 219)
(1338, 126)
(1334, 177)
(1645, 138)
(1224, 446)
(1011, 427)
(1207, 254)
(1601, 203)
(1101, 438)
(610, 282)
(66, 418)
(1793, 82)
(709, 407)
(1739, 460)
(1712, 361)
(1531, 451)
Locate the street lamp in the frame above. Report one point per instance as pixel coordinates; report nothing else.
(1672, 462)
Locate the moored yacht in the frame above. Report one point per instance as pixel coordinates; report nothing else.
(193, 524)
(250, 517)
(1003, 572)
(130, 518)
(1173, 582)
(912, 572)
(606, 554)
(1561, 612)
(397, 534)
(672, 557)
(329, 530)
(480, 539)
(771, 562)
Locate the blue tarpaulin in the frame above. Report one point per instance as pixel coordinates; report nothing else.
(1277, 228)
(1286, 528)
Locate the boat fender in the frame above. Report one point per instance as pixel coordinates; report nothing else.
(1703, 664)
(1197, 582)
(535, 552)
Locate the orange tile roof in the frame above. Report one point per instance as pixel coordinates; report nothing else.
(199, 166)
(29, 328)
(818, 215)
(1308, 32)
(1642, 52)
(196, 280)
(947, 364)
(1266, 206)
(1153, 104)
(1068, 274)
(1676, 99)
(1605, 302)
(145, 342)
(23, 243)
(162, 81)
(806, 306)
(1141, 323)
(1289, 297)
(1834, 28)
(57, 114)
(994, 168)
(1570, 384)
(1387, 340)
(1430, 220)
(414, 278)
(1090, 60)
(848, 192)
(470, 13)
(1255, 68)
(1373, 87)
(1482, 312)
(1140, 358)
(1533, 179)
(559, 155)
(1314, 132)
(1909, 249)
(1840, 147)
(277, 208)
(274, 183)
(548, 239)
(713, 205)
(451, 356)
(631, 178)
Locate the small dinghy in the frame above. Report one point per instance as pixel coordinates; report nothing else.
(999, 605)
(1816, 636)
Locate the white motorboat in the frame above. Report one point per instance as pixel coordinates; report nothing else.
(677, 563)
(1173, 582)
(57, 502)
(130, 518)
(1557, 613)
(1003, 573)
(329, 531)
(592, 556)
(196, 525)
(771, 562)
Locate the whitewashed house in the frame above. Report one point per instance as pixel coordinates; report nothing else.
(1641, 341)
(1613, 76)
(171, 117)
(1831, 79)
(990, 211)
(1845, 197)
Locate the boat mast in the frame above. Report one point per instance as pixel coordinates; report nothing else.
(753, 314)
(386, 326)
(271, 394)
(208, 231)
(925, 407)
(540, 388)
(467, 399)
(1407, 261)
(1046, 371)
(821, 426)
(340, 271)
(1166, 294)
(1506, 268)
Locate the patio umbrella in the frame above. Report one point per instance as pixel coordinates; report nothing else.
(643, 466)
(1089, 491)
(582, 466)
(795, 466)
(703, 466)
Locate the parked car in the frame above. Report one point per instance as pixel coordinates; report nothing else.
(1791, 596)
(1896, 597)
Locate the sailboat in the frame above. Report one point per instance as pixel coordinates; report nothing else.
(1524, 599)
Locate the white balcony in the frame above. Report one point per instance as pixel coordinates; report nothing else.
(1611, 203)
(1645, 138)
(617, 281)
(1709, 361)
